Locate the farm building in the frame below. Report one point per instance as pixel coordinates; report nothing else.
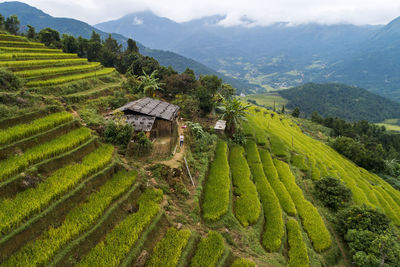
(154, 117)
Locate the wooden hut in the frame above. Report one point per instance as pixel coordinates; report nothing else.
(154, 117)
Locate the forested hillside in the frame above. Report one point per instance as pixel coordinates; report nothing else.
(339, 100)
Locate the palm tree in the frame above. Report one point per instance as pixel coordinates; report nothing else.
(233, 113)
(149, 83)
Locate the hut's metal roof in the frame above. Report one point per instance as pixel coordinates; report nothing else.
(141, 123)
(152, 107)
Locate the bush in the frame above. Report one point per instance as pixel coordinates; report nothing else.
(273, 228)
(311, 219)
(299, 162)
(9, 81)
(209, 250)
(270, 172)
(168, 251)
(332, 193)
(142, 145)
(118, 134)
(298, 256)
(370, 236)
(202, 139)
(247, 204)
(216, 193)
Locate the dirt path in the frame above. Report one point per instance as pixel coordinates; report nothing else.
(177, 159)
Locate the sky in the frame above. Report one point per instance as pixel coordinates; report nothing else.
(259, 12)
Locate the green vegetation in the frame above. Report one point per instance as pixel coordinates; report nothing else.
(42, 63)
(59, 70)
(168, 251)
(247, 204)
(298, 161)
(332, 193)
(298, 256)
(20, 44)
(343, 101)
(70, 78)
(14, 210)
(217, 188)
(42, 249)
(311, 219)
(24, 130)
(370, 236)
(27, 56)
(119, 241)
(273, 227)
(280, 190)
(209, 250)
(268, 100)
(240, 262)
(28, 50)
(15, 164)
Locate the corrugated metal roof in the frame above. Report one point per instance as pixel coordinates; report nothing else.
(152, 107)
(140, 122)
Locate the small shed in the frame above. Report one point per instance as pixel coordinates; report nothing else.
(220, 125)
(155, 117)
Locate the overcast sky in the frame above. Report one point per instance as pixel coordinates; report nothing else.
(262, 11)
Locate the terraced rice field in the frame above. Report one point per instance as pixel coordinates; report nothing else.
(64, 193)
(43, 67)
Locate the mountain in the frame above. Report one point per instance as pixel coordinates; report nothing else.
(279, 55)
(29, 15)
(339, 100)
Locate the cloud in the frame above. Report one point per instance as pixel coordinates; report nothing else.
(254, 12)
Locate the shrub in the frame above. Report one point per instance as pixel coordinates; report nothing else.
(273, 228)
(168, 251)
(297, 248)
(9, 81)
(216, 193)
(332, 193)
(299, 162)
(80, 218)
(280, 190)
(118, 134)
(247, 204)
(209, 250)
(124, 236)
(311, 219)
(142, 145)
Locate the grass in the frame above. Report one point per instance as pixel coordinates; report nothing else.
(267, 100)
(14, 210)
(25, 56)
(240, 262)
(41, 250)
(273, 228)
(58, 70)
(70, 78)
(20, 131)
(29, 50)
(390, 127)
(168, 251)
(279, 188)
(119, 241)
(209, 250)
(18, 43)
(311, 219)
(15, 164)
(247, 204)
(42, 63)
(298, 256)
(216, 192)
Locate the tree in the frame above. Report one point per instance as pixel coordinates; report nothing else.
(315, 117)
(132, 47)
(2, 22)
(12, 24)
(69, 44)
(296, 112)
(332, 193)
(50, 37)
(227, 91)
(178, 84)
(31, 34)
(283, 109)
(233, 113)
(149, 83)
(93, 47)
